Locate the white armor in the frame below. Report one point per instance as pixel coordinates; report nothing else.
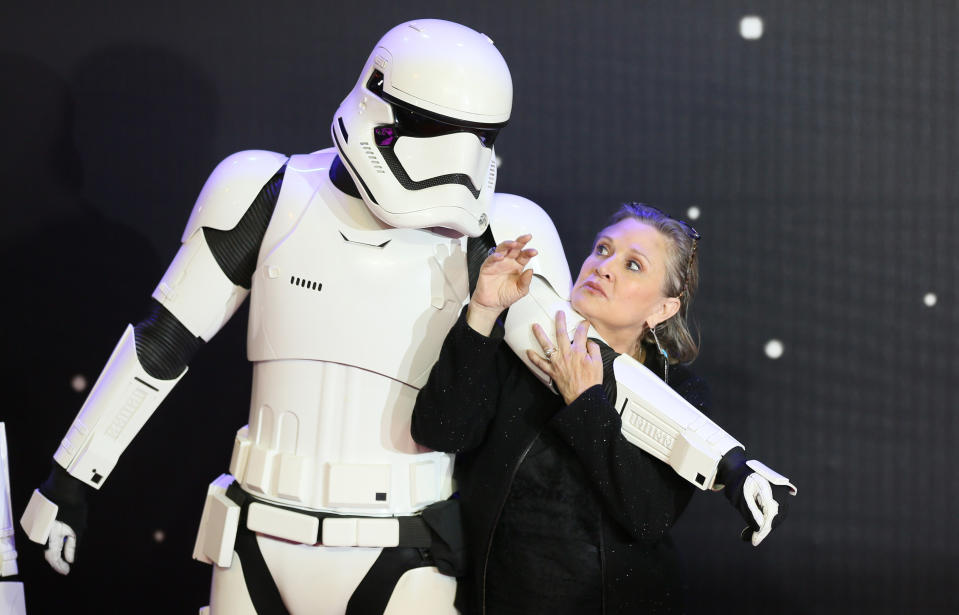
(322, 271)
(476, 97)
(11, 592)
(662, 423)
(351, 299)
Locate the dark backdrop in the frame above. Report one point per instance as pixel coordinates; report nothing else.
(821, 157)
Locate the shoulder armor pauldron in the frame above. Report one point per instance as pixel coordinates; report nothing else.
(231, 188)
(512, 216)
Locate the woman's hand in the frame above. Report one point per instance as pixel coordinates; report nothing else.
(573, 367)
(502, 282)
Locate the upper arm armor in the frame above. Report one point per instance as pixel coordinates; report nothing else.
(210, 276)
(230, 189)
(512, 216)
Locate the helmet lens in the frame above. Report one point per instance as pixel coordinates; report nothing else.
(384, 136)
(411, 122)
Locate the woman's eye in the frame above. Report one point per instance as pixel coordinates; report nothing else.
(633, 266)
(602, 250)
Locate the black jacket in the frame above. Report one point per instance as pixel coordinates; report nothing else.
(482, 403)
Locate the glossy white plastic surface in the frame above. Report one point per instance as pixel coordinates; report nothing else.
(446, 68)
(295, 566)
(416, 156)
(759, 497)
(8, 551)
(441, 68)
(230, 189)
(335, 284)
(512, 216)
(218, 525)
(118, 406)
(658, 420)
(197, 292)
(38, 517)
(12, 601)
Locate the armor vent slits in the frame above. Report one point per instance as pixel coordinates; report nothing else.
(307, 284)
(357, 175)
(236, 250)
(164, 345)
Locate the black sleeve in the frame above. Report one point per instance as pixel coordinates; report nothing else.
(643, 494)
(164, 345)
(455, 406)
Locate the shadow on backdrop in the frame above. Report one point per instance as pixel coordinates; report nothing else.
(101, 174)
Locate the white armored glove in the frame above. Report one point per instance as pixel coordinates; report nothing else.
(756, 491)
(61, 547)
(56, 516)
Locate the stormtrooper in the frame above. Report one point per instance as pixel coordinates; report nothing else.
(357, 260)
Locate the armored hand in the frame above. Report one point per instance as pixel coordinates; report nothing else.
(57, 516)
(756, 491)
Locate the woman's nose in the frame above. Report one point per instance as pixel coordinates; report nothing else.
(602, 267)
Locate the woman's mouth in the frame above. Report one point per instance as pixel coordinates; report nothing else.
(594, 288)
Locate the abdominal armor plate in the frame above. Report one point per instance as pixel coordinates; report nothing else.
(347, 317)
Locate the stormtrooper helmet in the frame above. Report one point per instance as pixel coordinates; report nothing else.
(416, 133)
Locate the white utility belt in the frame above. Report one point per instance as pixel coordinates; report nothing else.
(228, 507)
(328, 529)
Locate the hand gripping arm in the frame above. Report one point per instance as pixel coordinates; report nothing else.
(206, 282)
(654, 417)
(658, 420)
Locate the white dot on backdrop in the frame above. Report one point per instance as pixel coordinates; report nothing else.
(774, 349)
(499, 162)
(78, 383)
(751, 27)
(159, 536)
(930, 299)
(693, 213)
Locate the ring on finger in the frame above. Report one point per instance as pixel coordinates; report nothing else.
(549, 352)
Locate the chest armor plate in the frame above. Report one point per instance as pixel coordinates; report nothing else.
(335, 284)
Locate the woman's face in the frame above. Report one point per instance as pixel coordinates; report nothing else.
(620, 285)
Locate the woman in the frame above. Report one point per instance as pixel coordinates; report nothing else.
(562, 514)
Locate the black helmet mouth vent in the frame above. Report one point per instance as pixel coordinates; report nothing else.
(394, 164)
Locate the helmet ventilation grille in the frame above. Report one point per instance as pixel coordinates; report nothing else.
(375, 160)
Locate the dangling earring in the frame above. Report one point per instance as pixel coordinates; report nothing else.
(665, 356)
